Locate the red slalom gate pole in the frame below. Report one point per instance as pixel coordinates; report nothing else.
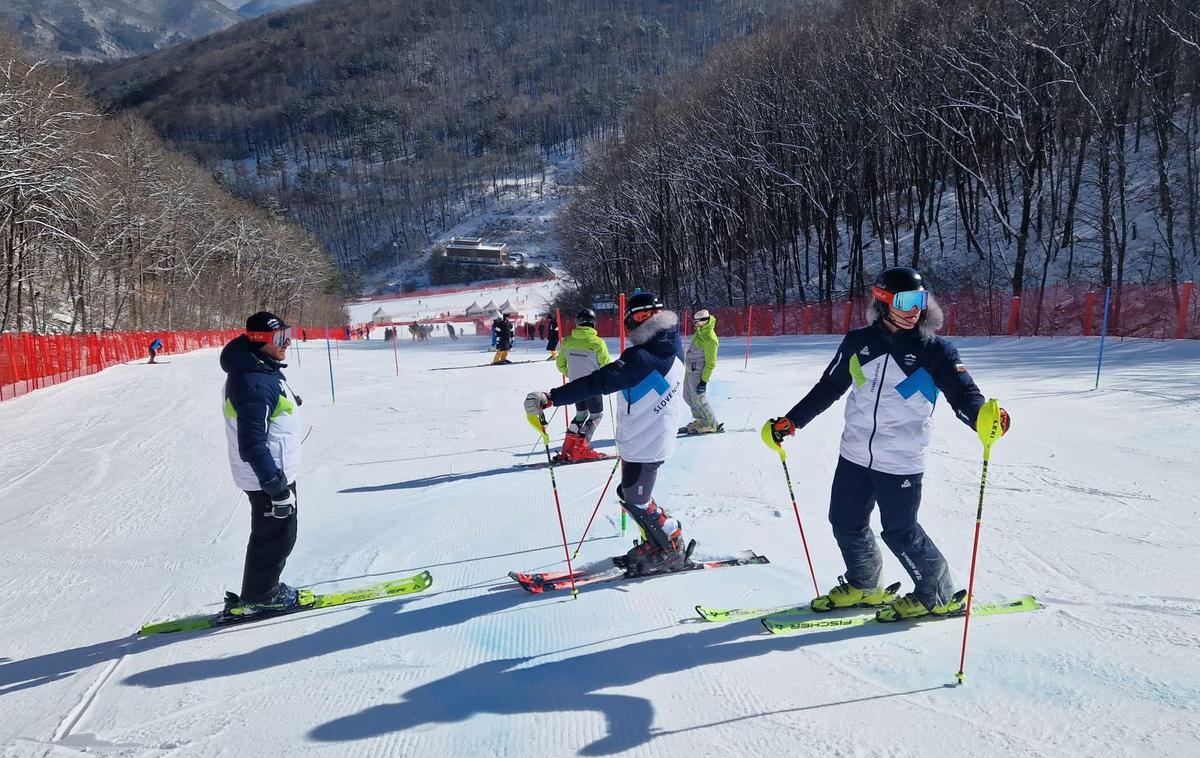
(558, 316)
(749, 321)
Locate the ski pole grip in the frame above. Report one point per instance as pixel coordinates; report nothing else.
(537, 422)
(987, 425)
(768, 438)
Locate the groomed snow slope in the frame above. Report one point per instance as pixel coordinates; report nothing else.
(116, 507)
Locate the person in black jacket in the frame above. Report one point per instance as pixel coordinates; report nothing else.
(504, 340)
(263, 434)
(552, 338)
(894, 368)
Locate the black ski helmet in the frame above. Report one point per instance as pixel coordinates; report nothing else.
(899, 279)
(585, 317)
(642, 302)
(893, 281)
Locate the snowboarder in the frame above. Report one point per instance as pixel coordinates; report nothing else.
(552, 338)
(894, 369)
(648, 375)
(504, 340)
(582, 353)
(155, 346)
(701, 360)
(263, 433)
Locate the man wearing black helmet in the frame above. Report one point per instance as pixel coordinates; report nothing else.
(648, 376)
(263, 432)
(582, 353)
(894, 368)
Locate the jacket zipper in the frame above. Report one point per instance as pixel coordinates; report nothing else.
(875, 414)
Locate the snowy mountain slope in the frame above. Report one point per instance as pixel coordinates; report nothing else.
(116, 507)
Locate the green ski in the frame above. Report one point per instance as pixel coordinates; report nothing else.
(309, 600)
(783, 625)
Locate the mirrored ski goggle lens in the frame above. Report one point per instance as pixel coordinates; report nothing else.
(906, 301)
(281, 337)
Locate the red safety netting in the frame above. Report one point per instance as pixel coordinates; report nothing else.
(33, 361)
(1157, 311)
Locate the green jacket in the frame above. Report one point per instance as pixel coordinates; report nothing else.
(704, 348)
(581, 353)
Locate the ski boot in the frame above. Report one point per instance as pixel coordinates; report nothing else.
(910, 607)
(285, 599)
(570, 446)
(699, 427)
(846, 595)
(584, 452)
(647, 558)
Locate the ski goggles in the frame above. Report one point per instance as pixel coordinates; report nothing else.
(903, 301)
(280, 337)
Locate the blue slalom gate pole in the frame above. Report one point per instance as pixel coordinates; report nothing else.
(1103, 334)
(329, 353)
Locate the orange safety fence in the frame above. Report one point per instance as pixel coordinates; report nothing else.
(33, 361)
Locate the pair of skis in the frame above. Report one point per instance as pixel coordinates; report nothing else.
(796, 619)
(552, 581)
(308, 601)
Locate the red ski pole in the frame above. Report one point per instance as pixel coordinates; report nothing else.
(987, 425)
(771, 443)
(539, 423)
(586, 529)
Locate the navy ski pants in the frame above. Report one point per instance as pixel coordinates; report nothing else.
(856, 490)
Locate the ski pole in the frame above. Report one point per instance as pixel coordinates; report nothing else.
(537, 421)
(987, 425)
(596, 510)
(771, 443)
(613, 418)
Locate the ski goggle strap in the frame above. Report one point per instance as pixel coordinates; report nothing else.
(903, 301)
(281, 337)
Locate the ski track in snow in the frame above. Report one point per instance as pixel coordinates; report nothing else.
(117, 507)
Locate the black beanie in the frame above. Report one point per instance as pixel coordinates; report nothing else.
(263, 321)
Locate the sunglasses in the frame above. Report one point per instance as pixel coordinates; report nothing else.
(903, 301)
(280, 337)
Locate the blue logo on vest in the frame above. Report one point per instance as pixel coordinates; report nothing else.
(654, 381)
(918, 381)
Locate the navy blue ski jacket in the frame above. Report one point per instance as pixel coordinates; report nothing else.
(895, 380)
(260, 413)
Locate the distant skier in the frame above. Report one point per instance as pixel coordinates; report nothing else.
(701, 360)
(263, 433)
(552, 338)
(495, 331)
(648, 375)
(504, 340)
(894, 369)
(582, 353)
(450, 331)
(155, 346)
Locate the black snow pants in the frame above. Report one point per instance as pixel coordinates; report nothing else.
(271, 542)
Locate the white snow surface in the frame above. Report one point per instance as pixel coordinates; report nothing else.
(117, 507)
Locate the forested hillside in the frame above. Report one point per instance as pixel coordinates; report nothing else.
(102, 228)
(373, 122)
(97, 29)
(995, 143)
